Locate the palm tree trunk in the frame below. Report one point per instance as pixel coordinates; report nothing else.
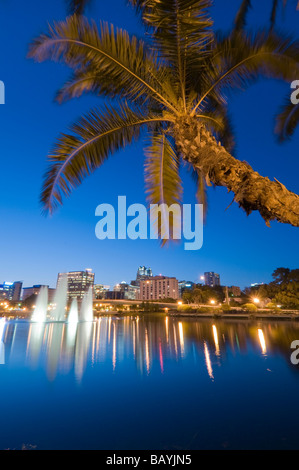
(251, 190)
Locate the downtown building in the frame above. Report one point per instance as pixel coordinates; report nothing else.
(127, 291)
(185, 286)
(11, 291)
(100, 291)
(142, 273)
(212, 279)
(35, 290)
(78, 283)
(158, 287)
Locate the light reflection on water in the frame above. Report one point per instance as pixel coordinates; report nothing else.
(190, 373)
(61, 347)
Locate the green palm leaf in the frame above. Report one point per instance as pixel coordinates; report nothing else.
(92, 140)
(201, 188)
(163, 182)
(240, 19)
(275, 4)
(77, 6)
(263, 54)
(287, 120)
(181, 32)
(124, 68)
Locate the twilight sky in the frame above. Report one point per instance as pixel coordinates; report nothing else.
(35, 248)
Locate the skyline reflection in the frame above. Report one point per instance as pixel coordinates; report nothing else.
(150, 342)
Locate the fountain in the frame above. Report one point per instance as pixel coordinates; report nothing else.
(2, 347)
(86, 312)
(58, 313)
(73, 315)
(40, 311)
(60, 301)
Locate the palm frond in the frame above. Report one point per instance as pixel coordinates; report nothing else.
(274, 13)
(264, 54)
(97, 135)
(287, 121)
(163, 182)
(241, 17)
(124, 68)
(77, 6)
(274, 10)
(201, 188)
(181, 31)
(79, 83)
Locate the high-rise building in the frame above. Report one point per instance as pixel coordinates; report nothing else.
(158, 287)
(6, 290)
(142, 273)
(100, 291)
(35, 290)
(212, 279)
(78, 283)
(129, 292)
(17, 291)
(185, 286)
(11, 291)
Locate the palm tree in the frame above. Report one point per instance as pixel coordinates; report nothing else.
(172, 89)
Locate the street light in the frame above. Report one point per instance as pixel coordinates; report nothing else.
(256, 300)
(213, 302)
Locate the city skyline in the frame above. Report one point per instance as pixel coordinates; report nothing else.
(205, 278)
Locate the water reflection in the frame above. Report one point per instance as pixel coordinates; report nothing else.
(208, 361)
(149, 342)
(215, 335)
(262, 341)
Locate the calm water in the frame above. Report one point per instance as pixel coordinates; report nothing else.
(149, 383)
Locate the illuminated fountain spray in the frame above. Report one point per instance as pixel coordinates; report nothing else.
(2, 348)
(60, 301)
(86, 312)
(74, 314)
(40, 311)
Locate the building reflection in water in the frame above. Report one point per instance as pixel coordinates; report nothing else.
(150, 342)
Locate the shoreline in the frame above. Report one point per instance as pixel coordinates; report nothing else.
(208, 315)
(240, 316)
(213, 316)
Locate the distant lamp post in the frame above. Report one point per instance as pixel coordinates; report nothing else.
(180, 303)
(212, 302)
(256, 300)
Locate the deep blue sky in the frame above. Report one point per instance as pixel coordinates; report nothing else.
(34, 248)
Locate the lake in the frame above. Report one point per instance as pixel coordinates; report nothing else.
(151, 383)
